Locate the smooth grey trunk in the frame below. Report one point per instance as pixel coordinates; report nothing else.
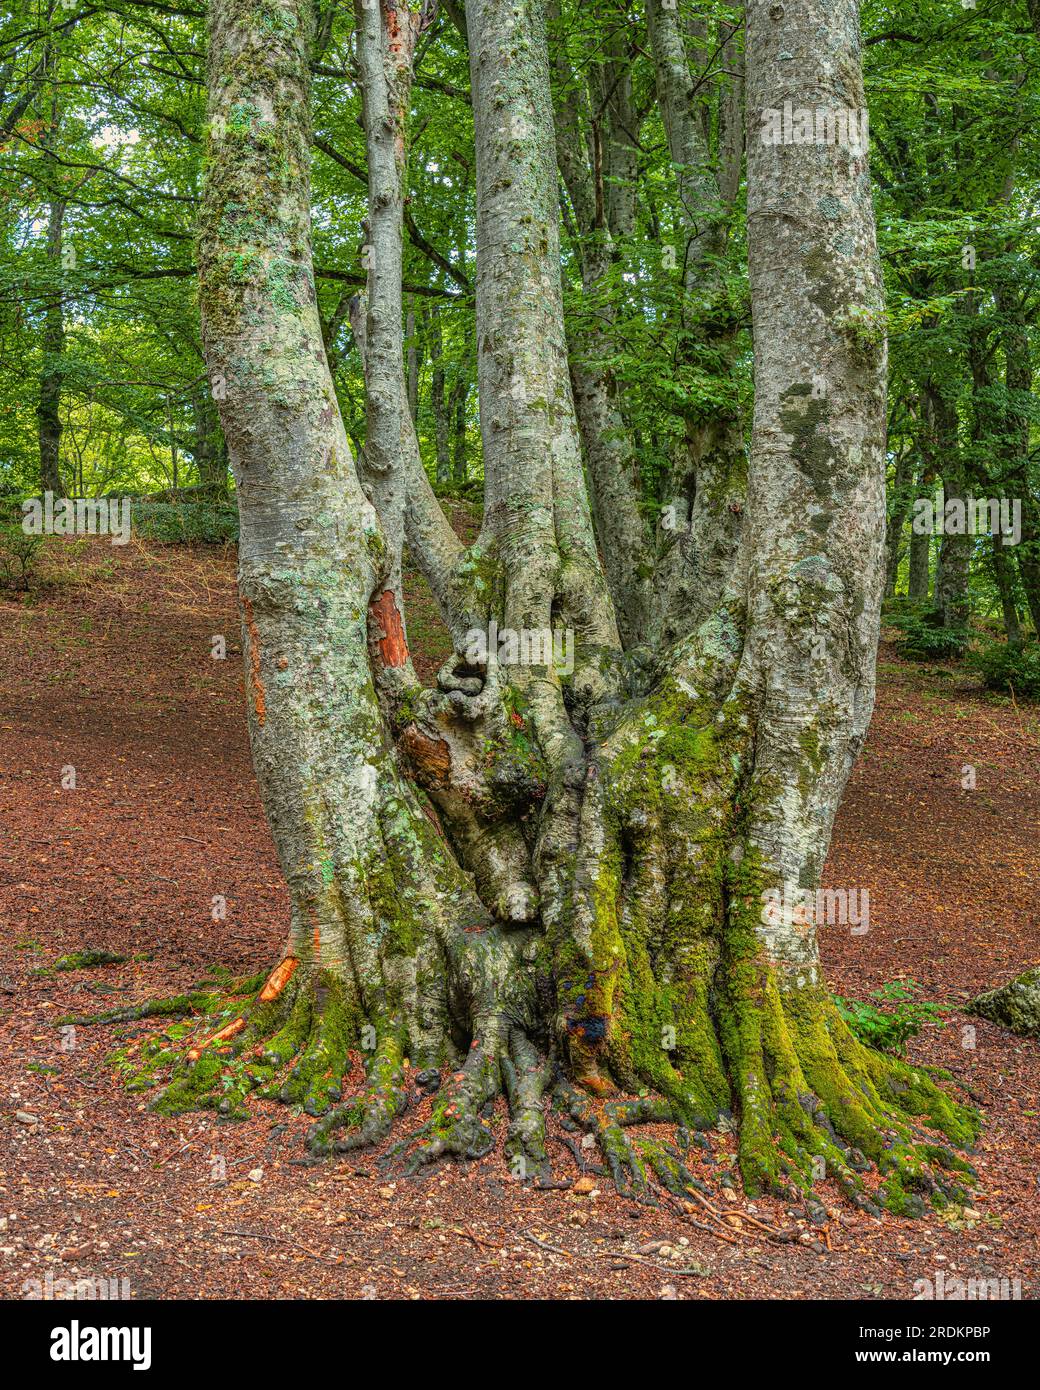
(816, 495)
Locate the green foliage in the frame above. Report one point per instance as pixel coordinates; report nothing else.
(923, 638)
(177, 522)
(18, 556)
(1010, 667)
(896, 1016)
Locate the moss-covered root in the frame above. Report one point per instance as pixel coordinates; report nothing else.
(525, 1076)
(368, 1118)
(457, 1127)
(192, 1004)
(815, 1103)
(631, 1162)
(243, 1038)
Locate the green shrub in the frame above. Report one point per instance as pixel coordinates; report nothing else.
(902, 1015)
(1010, 667)
(924, 639)
(177, 522)
(18, 555)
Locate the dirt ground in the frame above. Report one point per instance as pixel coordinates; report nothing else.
(109, 671)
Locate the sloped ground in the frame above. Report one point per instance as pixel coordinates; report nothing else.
(110, 672)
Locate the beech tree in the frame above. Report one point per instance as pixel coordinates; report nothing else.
(568, 882)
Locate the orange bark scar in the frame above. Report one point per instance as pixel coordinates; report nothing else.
(278, 979)
(393, 649)
(254, 662)
(431, 756)
(222, 1036)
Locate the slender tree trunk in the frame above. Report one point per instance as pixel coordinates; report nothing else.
(209, 449)
(459, 461)
(704, 500)
(413, 337)
(48, 411)
(918, 585)
(438, 402)
(952, 570)
(1018, 380)
(902, 497)
(1002, 577)
(601, 192)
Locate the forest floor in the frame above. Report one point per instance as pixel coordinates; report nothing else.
(108, 669)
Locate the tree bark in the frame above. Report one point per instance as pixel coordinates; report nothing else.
(48, 411)
(438, 401)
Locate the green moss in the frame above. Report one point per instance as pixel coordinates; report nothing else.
(87, 960)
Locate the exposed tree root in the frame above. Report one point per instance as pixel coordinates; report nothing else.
(811, 1101)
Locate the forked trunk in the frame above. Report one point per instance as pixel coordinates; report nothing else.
(604, 896)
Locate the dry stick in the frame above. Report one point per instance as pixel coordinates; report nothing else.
(641, 1259)
(282, 1240)
(712, 1211)
(164, 1161)
(544, 1245)
(477, 1240)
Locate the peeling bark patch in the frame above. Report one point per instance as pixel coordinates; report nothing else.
(255, 680)
(393, 649)
(222, 1036)
(278, 979)
(431, 756)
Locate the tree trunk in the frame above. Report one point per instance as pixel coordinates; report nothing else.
(1018, 379)
(412, 334)
(48, 411)
(438, 402)
(591, 914)
(209, 450)
(459, 461)
(704, 499)
(952, 603)
(902, 497)
(1002, 577)
(919, 580)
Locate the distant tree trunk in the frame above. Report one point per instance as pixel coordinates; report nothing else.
(48, 411)
(1002, 575)
(902, 497)
(918, 585)
(459, 462)
(438, 401)
(208, 448)
(602, 195)
(1018, 380)
(593, 913)
(412, 334)
(952, 601)
(704, 498)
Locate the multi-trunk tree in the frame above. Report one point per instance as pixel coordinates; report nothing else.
(578, 877)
